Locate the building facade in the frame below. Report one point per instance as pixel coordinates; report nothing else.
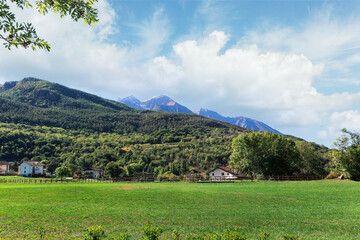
(4, 167)
(222, 173)
(30, 169)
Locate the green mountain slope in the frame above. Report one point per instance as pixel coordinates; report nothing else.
(44, 94)
(38, 102)
(44, 121)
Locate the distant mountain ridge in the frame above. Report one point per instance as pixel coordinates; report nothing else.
(37, 102)
(166, 104)
(158, 103)
(239, 121)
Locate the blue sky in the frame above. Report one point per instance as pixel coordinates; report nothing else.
(291, 64)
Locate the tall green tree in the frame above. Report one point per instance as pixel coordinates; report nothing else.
(312, 161)
(265, 153)
(348, 154)
(113, 170)
(62, 172)
(16, 34)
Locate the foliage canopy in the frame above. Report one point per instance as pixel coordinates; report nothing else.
(265, 154)
(348, 154)
(16, 34)
(272, 154)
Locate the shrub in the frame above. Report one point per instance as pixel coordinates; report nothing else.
(227, 235)
(175, 235)
(289, 237)
(123, 236)
(263, 235)
(94, 233)
(41, 232)
(152, 233)
(196, 237)
(230, 235)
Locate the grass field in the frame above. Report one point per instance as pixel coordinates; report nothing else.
(12, 177)
(311, 210)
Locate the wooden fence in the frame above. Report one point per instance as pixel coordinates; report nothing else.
(295, 178)
(152, 179)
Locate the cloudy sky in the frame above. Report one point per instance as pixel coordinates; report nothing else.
(291, 64)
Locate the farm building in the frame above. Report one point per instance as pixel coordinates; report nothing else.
(4, 167)
(225, 173)
(30, 169)
(93, 173)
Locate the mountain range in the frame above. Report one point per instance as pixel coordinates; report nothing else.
(166, 104)
(42, 103)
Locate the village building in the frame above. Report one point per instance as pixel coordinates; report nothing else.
(4, 167)
(31, 169)
(225, 173)
(93, 173)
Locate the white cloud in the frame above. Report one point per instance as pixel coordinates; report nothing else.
(81, 55)
(270, 74)
(320, 38)
(323, 38)
(244, 77)
(153, 34)
(339, 120)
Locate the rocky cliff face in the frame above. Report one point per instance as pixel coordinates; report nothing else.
(159, 103)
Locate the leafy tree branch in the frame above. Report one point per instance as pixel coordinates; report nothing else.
(16, 34)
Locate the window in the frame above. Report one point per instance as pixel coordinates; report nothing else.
(228, 174)
(24, 171)
(213, 174)
(222, 174)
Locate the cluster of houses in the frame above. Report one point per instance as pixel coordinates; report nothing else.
(31, 169)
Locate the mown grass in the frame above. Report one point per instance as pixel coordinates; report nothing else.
(12, 177)
(310, 210)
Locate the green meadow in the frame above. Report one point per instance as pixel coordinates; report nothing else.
(309, 210)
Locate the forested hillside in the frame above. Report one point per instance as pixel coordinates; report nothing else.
(43, 121)
(79, 149)
(59, 126)
(37, 102)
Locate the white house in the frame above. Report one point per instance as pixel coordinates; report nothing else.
(224, 173)
(30, 169)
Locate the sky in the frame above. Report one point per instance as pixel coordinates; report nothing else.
(292, 64)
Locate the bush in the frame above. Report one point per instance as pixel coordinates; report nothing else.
(41, 232)
(227, 235)
(263, 235)
(123, 236)
(153, 233)
(289, 237)
(94, 233)
(175, 235)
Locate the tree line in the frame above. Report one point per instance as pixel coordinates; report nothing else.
(165, 153)
(71, 150)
